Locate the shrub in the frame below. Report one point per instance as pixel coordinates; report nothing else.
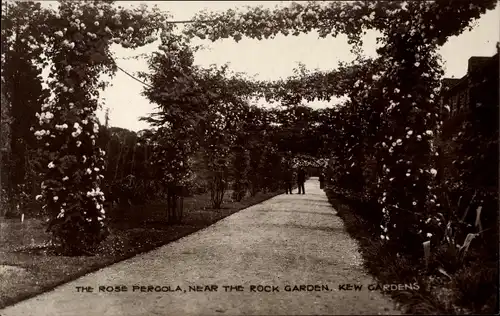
(476, 286)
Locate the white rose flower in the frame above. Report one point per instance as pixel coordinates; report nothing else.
(51, 165)
(56, 198)
(59, 33)
(38, 197)
(96, 23)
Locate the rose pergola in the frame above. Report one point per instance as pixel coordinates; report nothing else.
(381, 141)
(392, 115)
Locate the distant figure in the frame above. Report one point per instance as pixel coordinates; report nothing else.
(288, 178)
(301, 179)
(321, 180)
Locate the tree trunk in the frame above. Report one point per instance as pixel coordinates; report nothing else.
(217, 189)
(133, 160)
(175, 203)
(118, 161)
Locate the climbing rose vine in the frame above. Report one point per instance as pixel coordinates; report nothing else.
(78, 38)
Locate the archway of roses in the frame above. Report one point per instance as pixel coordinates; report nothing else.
(383, 146)
(380, 143)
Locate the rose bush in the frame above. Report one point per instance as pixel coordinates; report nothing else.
(74, 42)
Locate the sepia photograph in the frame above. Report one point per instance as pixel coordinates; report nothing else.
(249, 158)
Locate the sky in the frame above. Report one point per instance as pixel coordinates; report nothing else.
(273, 58)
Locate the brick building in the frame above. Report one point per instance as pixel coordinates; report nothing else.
(468, 143)
(478, 88)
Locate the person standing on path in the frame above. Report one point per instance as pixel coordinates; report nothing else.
(321, 179)
(288, 178)
(301, 179)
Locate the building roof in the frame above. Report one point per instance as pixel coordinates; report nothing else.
(449, 82)
(477, 62)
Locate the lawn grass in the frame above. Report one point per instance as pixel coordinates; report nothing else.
(437, 294)
(26, 245)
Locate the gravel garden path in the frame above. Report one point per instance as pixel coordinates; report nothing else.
(289, 255)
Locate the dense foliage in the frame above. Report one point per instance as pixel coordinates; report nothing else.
(383, 145)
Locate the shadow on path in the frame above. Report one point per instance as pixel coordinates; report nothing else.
(297, 212)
